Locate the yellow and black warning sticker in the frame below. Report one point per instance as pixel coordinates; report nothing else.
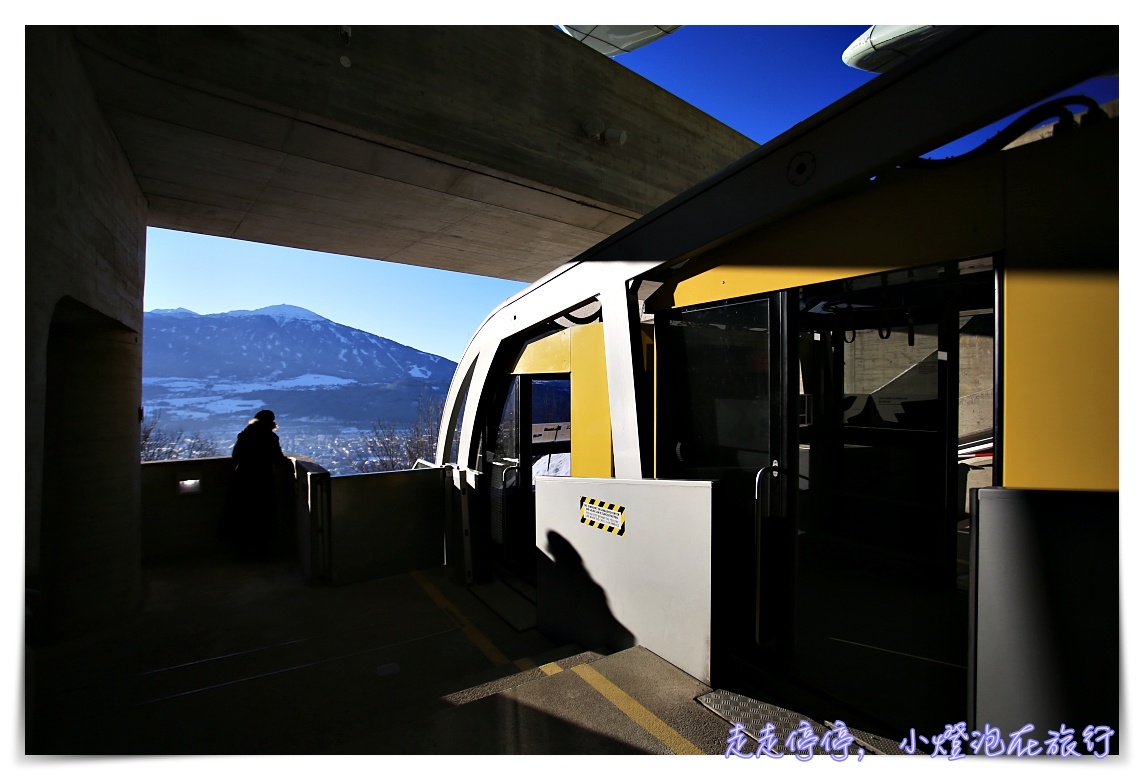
(602, 515)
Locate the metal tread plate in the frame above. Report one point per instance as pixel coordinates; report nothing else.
(754, 715)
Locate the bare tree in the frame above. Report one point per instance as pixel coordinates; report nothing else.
(157, 443)
(391, 447)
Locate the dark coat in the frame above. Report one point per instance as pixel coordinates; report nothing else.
(255, 493)
(257, 450)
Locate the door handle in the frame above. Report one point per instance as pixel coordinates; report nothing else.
(504, 474)
(762, 512)
(508, 530)
(774, 470)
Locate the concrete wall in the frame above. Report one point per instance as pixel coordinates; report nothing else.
(85, 233)
(180, 523)
(511, 98)
(450, 147)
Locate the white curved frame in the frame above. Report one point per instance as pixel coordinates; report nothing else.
(564, 289)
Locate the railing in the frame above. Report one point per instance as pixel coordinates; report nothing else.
(185, 505)
(343, 529)
(312, 511)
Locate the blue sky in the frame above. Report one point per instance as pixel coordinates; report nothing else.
(760, 80)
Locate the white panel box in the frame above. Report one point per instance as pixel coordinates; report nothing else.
(627, 562)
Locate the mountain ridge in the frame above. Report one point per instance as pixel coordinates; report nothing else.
(209, 372)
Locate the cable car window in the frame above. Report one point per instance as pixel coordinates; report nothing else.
(890, 377)
(551, 427)
(714, 387)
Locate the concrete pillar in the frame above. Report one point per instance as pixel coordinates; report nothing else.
(85, 234)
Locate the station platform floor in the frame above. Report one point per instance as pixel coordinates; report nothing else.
(228, 657)
(238, 658)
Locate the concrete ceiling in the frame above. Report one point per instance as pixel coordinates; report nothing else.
(460, 148)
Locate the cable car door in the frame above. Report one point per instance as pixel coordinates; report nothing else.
(531, 436)
(831, 440)
(719, 387)
(511, 515)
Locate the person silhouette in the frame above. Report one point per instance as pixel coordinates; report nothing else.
(258, 461)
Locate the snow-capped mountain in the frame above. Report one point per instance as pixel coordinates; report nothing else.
(212, 371)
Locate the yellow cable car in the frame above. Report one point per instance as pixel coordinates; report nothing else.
(838, 426)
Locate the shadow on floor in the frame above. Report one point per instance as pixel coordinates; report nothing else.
(233, 657)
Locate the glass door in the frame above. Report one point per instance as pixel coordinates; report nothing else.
(827, 417)
(718, 387)
(880, 625)
(507, 498)
(880, 632)
(532, 436)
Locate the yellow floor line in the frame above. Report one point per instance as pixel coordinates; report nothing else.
(551, 668)
(672, 739)
(524, 664)
(468, 629)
